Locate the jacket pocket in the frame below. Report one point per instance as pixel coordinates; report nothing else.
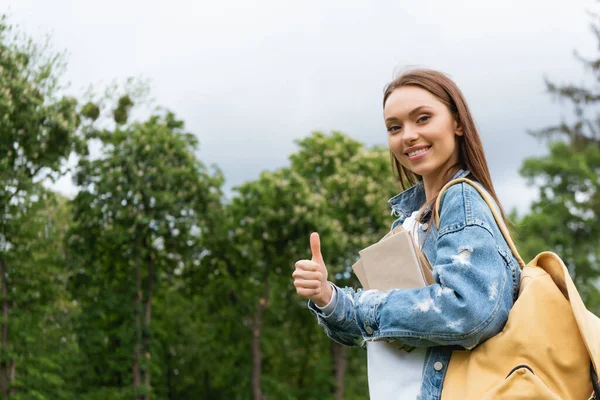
(521, 384)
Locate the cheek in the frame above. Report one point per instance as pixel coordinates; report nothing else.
(444, 134)
(395, 145)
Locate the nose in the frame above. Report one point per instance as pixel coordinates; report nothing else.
(409, 136)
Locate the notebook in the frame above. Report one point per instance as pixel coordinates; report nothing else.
(393, 263)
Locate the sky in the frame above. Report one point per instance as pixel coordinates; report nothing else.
(250, 78)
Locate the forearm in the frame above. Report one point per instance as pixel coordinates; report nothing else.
(342, 330)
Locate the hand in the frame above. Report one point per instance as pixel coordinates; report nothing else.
(310, 276)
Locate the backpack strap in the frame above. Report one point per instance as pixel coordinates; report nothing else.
(490, 202)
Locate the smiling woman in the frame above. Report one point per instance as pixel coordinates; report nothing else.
(429, 95)
(422, 138)
(432, 139)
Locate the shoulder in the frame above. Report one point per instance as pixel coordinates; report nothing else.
(462, 205)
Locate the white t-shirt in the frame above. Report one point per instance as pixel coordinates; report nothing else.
(393, 373)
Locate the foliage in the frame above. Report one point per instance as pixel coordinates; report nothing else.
(566, 216)
(138, 221)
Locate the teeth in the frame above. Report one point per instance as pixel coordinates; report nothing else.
(414, 153)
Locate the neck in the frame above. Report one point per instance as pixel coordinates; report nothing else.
(433, 183)
(432, 186)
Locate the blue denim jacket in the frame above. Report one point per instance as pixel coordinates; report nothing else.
(476, 283)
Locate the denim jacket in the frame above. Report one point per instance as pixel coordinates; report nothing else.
(476, 284)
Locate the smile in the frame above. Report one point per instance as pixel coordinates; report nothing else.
(413, 155)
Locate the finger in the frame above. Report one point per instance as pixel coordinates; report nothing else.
(307, 265)
(304, 284)
(307, 275)
(315, 247)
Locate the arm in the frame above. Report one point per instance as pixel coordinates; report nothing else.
(468, 304)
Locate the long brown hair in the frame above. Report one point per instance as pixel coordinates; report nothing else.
(471, 155)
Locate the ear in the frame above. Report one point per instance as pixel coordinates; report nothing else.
(458, 130)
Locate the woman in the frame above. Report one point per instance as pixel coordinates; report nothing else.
(432, 139)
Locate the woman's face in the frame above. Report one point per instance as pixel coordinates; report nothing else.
(421, 131)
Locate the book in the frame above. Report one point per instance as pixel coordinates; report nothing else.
(394, 262)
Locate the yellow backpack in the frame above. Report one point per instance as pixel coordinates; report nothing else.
(548, 349)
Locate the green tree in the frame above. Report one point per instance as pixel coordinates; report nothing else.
(566, 216)
(253, 318)
(139, 216)
(357, 182)
(38, 131)
(269, 222)
(41, 314)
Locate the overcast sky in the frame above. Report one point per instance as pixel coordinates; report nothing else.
(249, 78)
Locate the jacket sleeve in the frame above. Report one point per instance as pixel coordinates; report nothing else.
(469, 302)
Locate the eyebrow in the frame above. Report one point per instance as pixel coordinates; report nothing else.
(410, 114)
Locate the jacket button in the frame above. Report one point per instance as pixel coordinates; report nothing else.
(424, 226)
(438, 366)
(369, 330)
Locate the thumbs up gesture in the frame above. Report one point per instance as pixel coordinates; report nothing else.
(310, 276)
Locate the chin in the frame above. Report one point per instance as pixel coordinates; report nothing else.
(422, 171)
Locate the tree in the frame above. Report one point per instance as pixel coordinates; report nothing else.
(139, 216)
(357, 182)
(269, 222)
(41, 314)
(566, 217)
(38, 131)
(252, 317)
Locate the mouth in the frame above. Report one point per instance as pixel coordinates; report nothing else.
(417, 154)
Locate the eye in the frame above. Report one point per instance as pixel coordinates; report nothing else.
(423, 119)
(394, 129)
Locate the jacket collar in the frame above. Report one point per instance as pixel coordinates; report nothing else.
(410, 200)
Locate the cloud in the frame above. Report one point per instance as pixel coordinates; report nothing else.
(249, 78)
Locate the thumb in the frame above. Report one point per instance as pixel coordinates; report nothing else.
(315, 248)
